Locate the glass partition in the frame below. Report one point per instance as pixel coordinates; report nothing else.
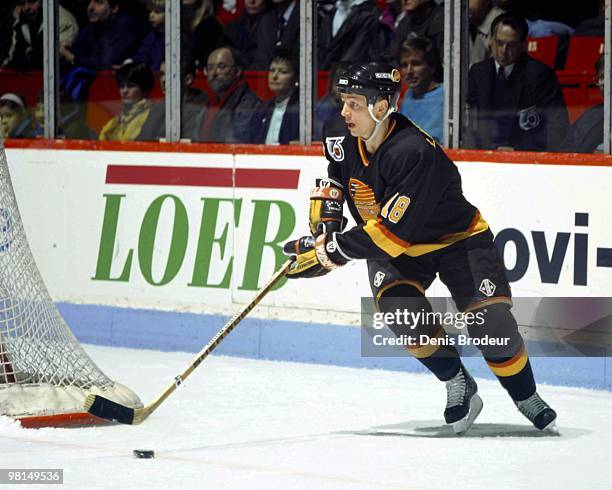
(532, 79)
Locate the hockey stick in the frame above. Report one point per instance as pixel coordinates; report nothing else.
(110, 410)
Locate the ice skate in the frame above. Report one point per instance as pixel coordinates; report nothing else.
(462, 402)
(538, 412)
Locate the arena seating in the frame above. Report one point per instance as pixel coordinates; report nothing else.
(576, 79)
(543, 49)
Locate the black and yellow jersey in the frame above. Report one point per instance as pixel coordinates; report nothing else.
(406, 198)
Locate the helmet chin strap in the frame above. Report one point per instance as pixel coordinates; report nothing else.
(378, 122)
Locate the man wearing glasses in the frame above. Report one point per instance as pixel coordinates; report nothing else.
(228, 113)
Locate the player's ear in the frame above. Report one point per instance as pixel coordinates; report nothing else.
(381, 107)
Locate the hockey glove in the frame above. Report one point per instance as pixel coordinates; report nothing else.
(313, 257)
(326, 201)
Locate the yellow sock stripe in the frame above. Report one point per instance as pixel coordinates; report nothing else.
(386, 288)
(512, 366)
(427, 350)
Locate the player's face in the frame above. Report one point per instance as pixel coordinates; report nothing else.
(356, 115)
(506, 45)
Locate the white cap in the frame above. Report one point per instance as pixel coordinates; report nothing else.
(13, 98)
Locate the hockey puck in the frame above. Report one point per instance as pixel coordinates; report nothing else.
(144, 453)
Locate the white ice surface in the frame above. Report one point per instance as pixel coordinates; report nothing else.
(241, 423)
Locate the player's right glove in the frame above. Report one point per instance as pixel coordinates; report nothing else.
(313, 257)
(326, 201)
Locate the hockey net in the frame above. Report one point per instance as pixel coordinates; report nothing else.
(45, 374)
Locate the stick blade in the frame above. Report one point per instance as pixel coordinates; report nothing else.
(107, 409)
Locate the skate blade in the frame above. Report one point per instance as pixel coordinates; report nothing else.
(552, 428)
(462, 426)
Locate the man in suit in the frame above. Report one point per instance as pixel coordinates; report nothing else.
(514, 101)
(278, 29)
(349, 33)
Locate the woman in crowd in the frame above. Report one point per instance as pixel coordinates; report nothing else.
(15, 121)
(135, 81)
(277, 120)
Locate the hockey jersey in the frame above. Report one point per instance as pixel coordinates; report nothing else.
(406, 198)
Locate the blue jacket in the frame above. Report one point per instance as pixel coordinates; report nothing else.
(152, 50)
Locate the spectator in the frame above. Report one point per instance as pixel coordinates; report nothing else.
(241, 34)
(481, 14)
(392, 14)
(38, 121)
(153, 48)
(15, 122)
(72, 122)
(350, 32)
(107, 40)
(135, 81)
(228, 115)
(327, 109)
(514, 100)
(586, 134)
(423, 18)
(28, 34)
(202, 28)
(277, 120)
(193, 102)
(7, 37)
(567, 13)
(424, 100)
(279, 29)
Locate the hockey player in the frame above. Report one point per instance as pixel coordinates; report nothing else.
(413, 222)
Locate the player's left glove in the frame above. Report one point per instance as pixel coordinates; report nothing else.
(313, 257)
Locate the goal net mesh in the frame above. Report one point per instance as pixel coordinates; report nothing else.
(43, 368)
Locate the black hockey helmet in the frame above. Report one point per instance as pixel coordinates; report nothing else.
(374, 79)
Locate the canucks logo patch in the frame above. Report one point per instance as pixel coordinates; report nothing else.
(364, 199)
(334, 147)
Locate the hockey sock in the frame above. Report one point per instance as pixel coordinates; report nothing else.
(514, 374)
(508, 360)
(441, 359)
